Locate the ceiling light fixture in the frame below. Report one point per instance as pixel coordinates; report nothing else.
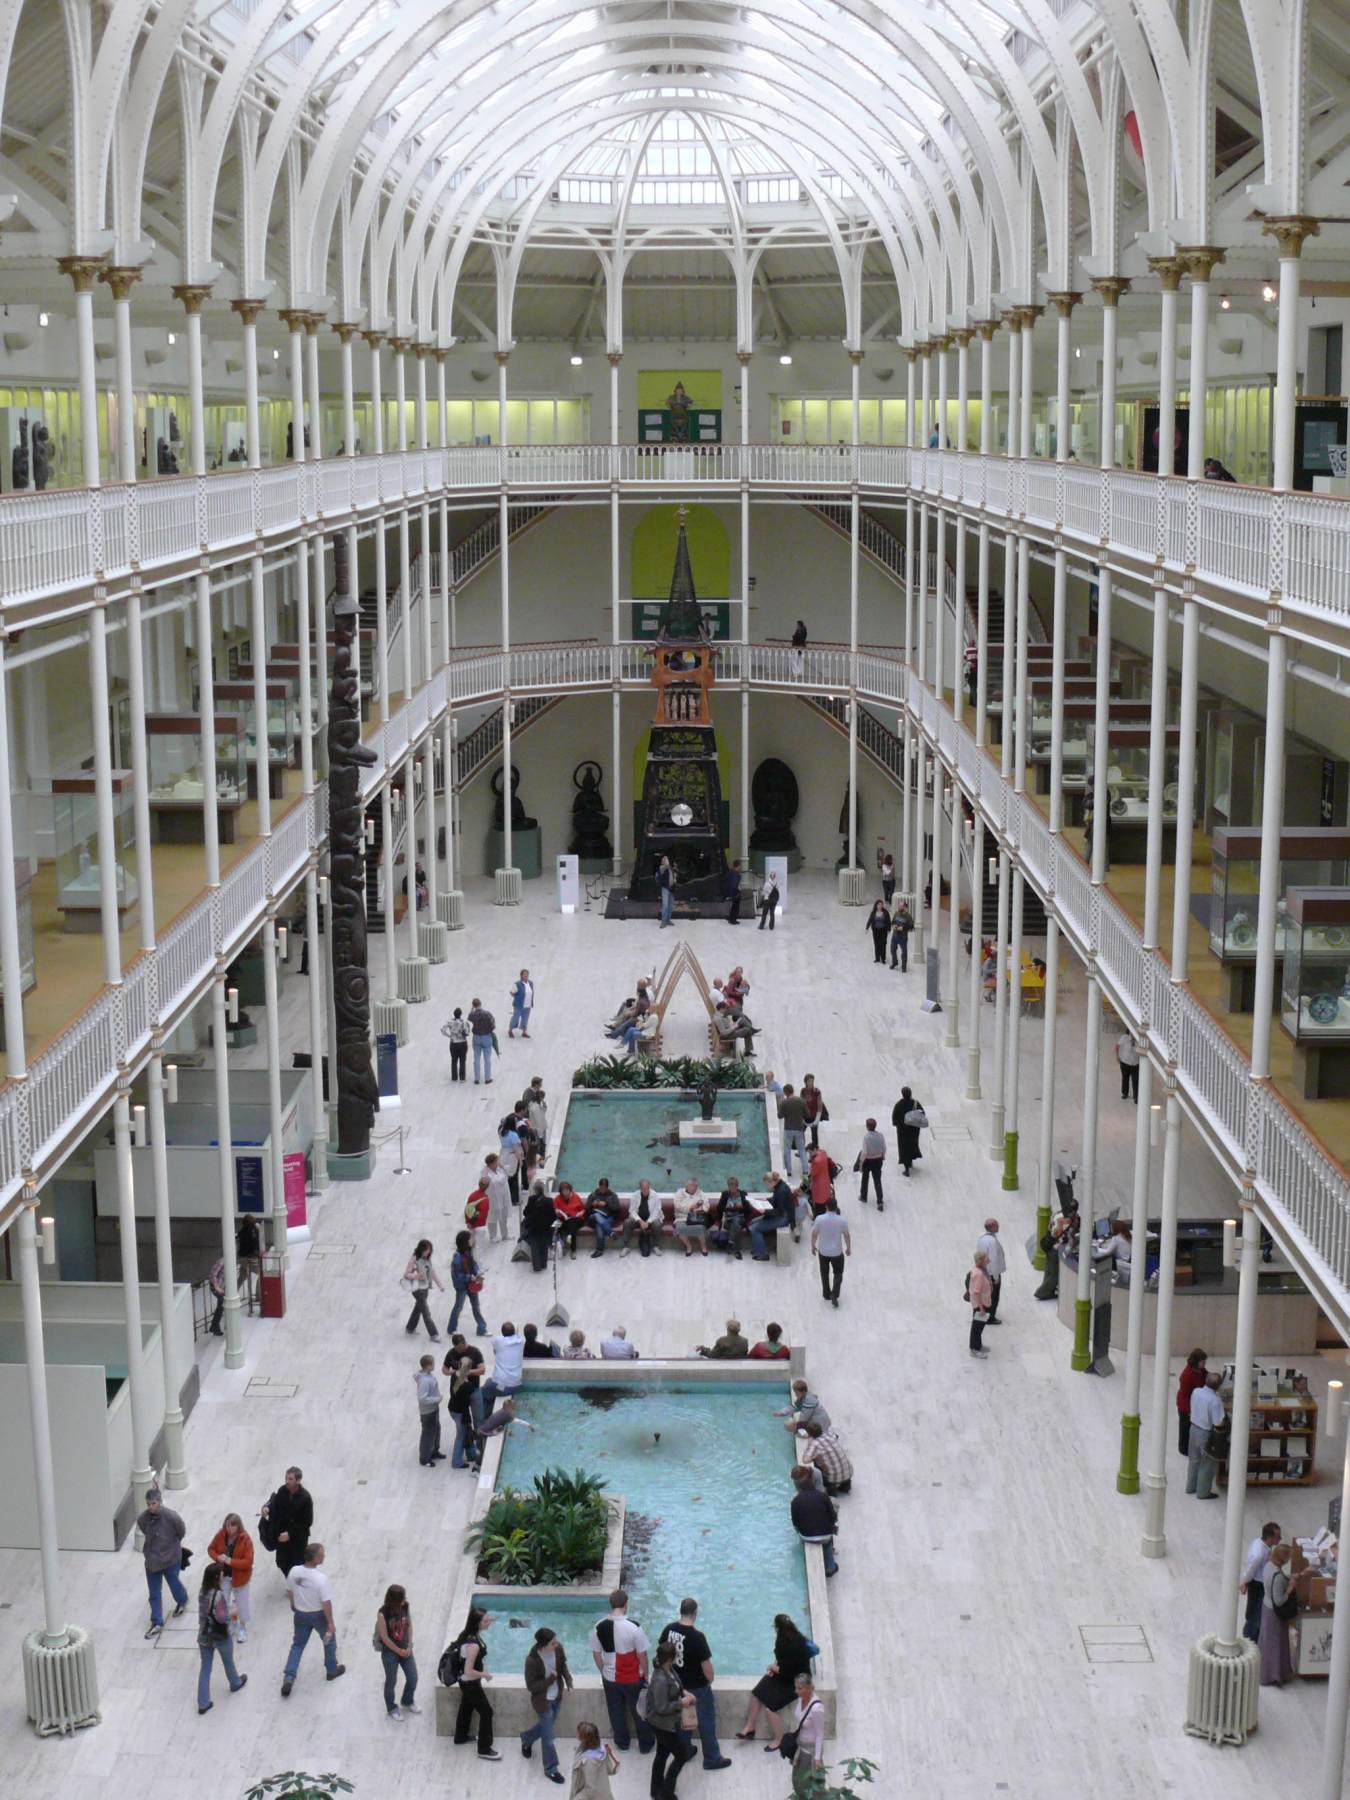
(43, 320)
(786, 360)
(172, 338)
(1225, 304)
(1268, 294)
(575, 361)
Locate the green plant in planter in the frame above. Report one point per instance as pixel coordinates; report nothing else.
(547, 1537)
(819, 1786)
(300, 1786)
(687, 1072)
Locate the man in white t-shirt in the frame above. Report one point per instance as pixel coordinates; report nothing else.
(830, 1241)
(311, 1598)
(998, 1262)
(619, 1646)
(1127, 1055)
(508, 1367)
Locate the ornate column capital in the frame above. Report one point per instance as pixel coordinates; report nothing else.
(421, 351)
(121, 278)
(1012, 318)
(1110, 287)
(942, 344)
(344, 328)
(745, 358)
(910, 352)
(439, 354)
(373, 338)
(248, 310)
(855, 357)
(400, 345)
(313, 320)
(1029, 316)
(292, 317)
(986, 329)
(614, 358)
(1065, 302)
(503, 357)
(1169, 270)
(1291, 230)
(82, 270)
(1200, 260)
(962, 335)
(193, 294)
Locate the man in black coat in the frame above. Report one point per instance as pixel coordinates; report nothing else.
(289, 1515)
(814, 1516)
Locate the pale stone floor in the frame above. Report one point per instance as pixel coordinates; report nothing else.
(984, 1530)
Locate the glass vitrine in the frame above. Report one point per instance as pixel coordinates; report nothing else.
(1315, 988)
(79, 880)
(279, 725)
(1310, 858)
(177, 782)
(283, 709)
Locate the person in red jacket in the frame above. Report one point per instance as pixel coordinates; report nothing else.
(232, 1548)
(569, 1208)
(1192, 1377)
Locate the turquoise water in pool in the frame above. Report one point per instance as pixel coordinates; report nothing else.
(707, 1514)
(624, 1136)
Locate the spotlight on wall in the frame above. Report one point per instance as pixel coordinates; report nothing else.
(44, 320)
(232, 1005)
(49, 1249)
(171, 1082)
(575, 361)
(1078, 350)
(1225, 304)
(1230, 1243)
(138, 1136)
(786, 360)
(276, 356)
(172, 338)
(1268, 294)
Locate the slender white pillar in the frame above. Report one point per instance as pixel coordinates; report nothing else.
(996, 1116)
(1181, 897)
(275, 1126)
(420, 355)
(1169, 270)
(262, 747)
(83, 271)
(1127, 1476)
(508, 885)
(449, 770)
(1227, 1642)
(1200, 261)
(1268, 890)
(193, 296)
(1161, 1410)
(1157, 763)
(234, 1347)
(387, 860)
(1045, 1171)
(743, 357)
(1338, 1685)
(1081, 1357)
(374, 339)
(35, 1359)
(312, 324)
(295, 325)
(410, 849)
(142, 1421)
(976, 940)
(615, 604)
(345, 334)
(120, 281)
(383, 697)
(854, 541)
(953, 998)
(1013, 1029)
(248, 311)
(442, 419)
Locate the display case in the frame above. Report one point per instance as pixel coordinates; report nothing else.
(23, 894)
(285, 667)
(1315, 988)
(75, 826)
(1077, 715)
(1308, 858)
(177, 789)
(280, 726)
(1231, 794)
(1127, 787)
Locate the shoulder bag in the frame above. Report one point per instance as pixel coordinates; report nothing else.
(916, 1119)
(1287, 1608)
(787, 1747)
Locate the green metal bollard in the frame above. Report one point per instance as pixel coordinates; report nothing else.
(1042, 1226)
(1010, 1162)
(1082, 1335)
(1127, 1477)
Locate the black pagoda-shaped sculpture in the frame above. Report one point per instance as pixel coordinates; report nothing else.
(681, 788)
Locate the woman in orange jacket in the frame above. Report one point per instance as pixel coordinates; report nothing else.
(232, 1548)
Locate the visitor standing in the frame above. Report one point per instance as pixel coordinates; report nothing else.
(1253, 1583)
(620, 1648)
(870, 1158)
(909, 1119)
(394, 1640)
(429, 1451)
(547, 1677)
(901, 926)
(768, 903)
(799, 650)
(420, 1275)
(496, 1184)
(456, 1030)
(510, 1156)
(213, 1636)
(792, 1118)
(995, 1264)
(1278, 1607)
(508, 1365)
(830, 1241)
(813, 1515)
(980, 1296)
(161, 1532)
(473, 1702)
(481, 1025)
(1208, 1419)
(813, 1105)
(216, 1282)
(808, 1724)
(466, 1281)
(538, 1218)
(522, 1005)
(464, 1366)
(1127, 1055)
(289, 1519)
(670, 1715)
(232, 1550)
(665, 882)
(311, 1598)
(537, 1113)
(879, 924)
(694, 1667)
(1192, 1377)
(733, 892)
(888, 878)
(592, 1765)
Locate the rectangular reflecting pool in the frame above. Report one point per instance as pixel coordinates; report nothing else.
(629, 1136)
(704, 1473)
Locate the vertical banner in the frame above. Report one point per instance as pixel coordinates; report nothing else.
(293, 1173)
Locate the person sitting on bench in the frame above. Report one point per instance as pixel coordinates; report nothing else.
(731, 1025)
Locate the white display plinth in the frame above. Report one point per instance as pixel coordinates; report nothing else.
(708, 1131)
(567, 883)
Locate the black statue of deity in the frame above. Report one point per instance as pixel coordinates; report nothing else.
(42, 456)
(774, 796)
(590, 821)
(357, 1092)
(707, 1097)
(843, 828)
(519, 819)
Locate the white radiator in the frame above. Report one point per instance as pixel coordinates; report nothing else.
(1222, 1692)
(433, 939)
(414, 979)
(391, 1016)
(852, 886)
(60, 1682)
(450, 909)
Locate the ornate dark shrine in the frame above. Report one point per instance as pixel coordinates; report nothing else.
(681, 787)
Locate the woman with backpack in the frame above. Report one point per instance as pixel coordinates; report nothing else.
(213, 1637)
(466, 1278)
(394, 1641)
(419, 1276)
(1279, 1606)
(463, 1664)
(906, 1133)
(456, 1029)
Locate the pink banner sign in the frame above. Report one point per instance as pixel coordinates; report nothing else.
(293, 1163)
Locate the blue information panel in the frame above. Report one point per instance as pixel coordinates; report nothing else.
(386, 1064)
(248, 1184)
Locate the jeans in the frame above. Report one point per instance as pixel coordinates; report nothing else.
(463, 1442)
(879, 945)
(630, 1035)
(421, 1311)
(1201, 1468)
(482, 1058)
(490, 1393)
(208, 1652)
(1129, 1081)
(430, 1442)
(667, 904)
(766, 916)
(976, 1331)
(461, 1296)
(541, 1732)
(459, 1056)
(620, 1700)
(706, 1707)
(603, 1226)
(761, 1229)
(473, 1700)
(1251, 1625)
(306, 1622)
(154, 1578)
(871, 1169)
(794, 1141)
(392, 1665)
(995, 1282)
(520, 1018)
(901, 945)
(827, 1546)
(673, 1751)
(831, 1276)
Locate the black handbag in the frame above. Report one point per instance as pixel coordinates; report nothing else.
(787, 1747)
(184, 1558)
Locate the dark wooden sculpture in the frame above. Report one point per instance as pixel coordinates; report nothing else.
(357, 1092)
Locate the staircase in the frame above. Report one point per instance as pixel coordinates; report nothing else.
(375, 920)
(1033, 912)
(482, 746)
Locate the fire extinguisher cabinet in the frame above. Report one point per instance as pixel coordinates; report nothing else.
(273, 1285)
